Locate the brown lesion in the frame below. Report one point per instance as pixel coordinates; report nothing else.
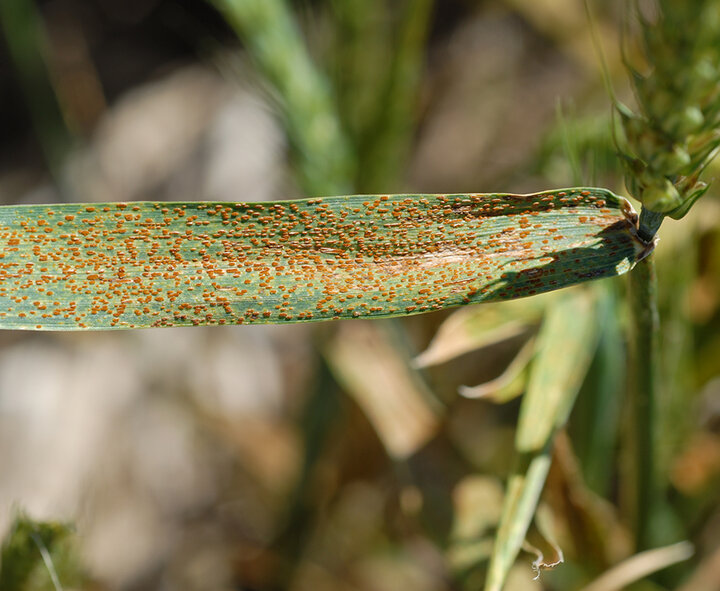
(447, 255)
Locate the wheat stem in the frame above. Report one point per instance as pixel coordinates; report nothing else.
(644, 394)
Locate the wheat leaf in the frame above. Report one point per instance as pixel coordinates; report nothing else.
(565, 345)
(142, 264)
(469, 329)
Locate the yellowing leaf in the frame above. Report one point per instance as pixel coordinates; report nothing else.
(469, 329)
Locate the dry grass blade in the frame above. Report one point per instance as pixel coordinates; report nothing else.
(510, 383)
(639, 566)
(540, 541)
(473, 328)
(394, 398)
(120, 265)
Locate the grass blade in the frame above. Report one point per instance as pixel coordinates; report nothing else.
(324, 159)
(510, 383)
(393, 396)
(521, 498)
(641, 565)
(566, 341)
(470, 329)
(119, 265)
(386, 142)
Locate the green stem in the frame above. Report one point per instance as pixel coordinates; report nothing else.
(644, 394)
(649, 224)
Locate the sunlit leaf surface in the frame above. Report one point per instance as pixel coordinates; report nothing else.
(134, 265)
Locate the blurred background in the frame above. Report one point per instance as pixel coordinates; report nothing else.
(341, 456)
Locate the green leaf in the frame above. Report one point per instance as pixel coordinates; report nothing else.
(136, 265)
(565, 345)
(521, 498)
(39, 556)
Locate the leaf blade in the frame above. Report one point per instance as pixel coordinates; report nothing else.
(566, 341)
(144, 264)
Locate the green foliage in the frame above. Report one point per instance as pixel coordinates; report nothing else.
(39, 556)
(351, 129)
(565, 345)
(26, 40)
(667, 145)
(379, 105)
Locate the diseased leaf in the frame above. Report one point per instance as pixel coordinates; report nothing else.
(136, 265)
